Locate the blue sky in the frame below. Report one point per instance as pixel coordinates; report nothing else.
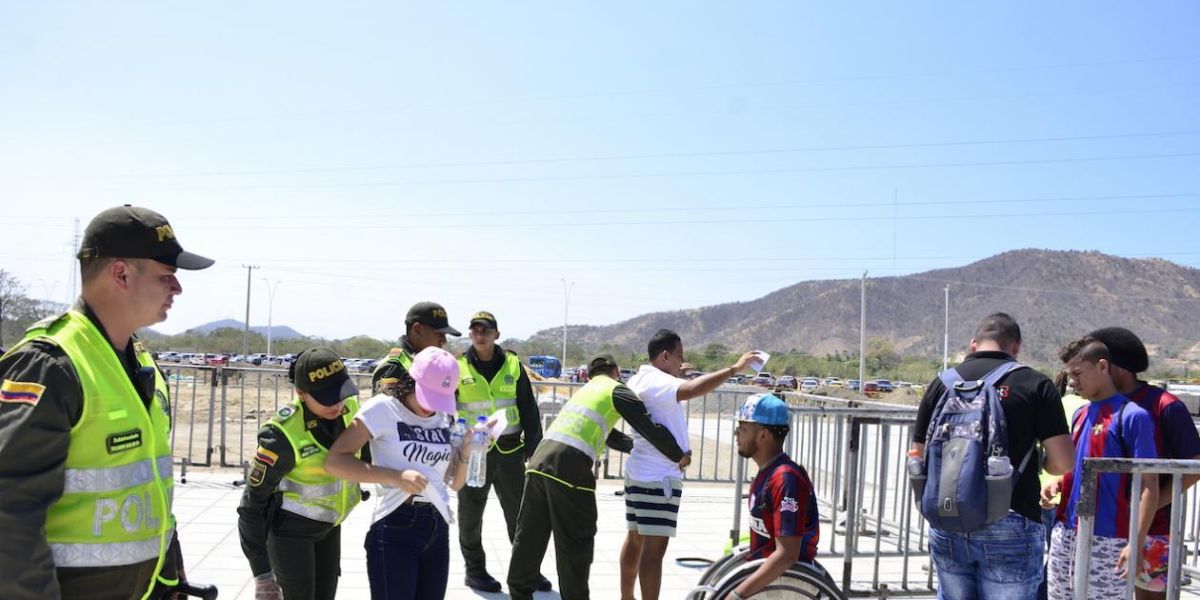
(660, 155)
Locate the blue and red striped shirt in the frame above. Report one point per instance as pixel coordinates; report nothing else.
(783, 504)
(1097, 434)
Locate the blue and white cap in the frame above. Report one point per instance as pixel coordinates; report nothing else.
(764, 409)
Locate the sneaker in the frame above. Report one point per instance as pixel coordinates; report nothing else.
(543, 584)
(483, 583)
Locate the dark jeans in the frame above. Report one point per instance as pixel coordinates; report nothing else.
(408, 554)
(1002, 561)
(569, 514)
(506, 472)
(306, 568)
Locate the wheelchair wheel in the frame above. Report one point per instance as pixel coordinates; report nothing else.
(717, 571)
(803, 581)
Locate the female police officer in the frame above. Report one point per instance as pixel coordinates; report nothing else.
(290, 515)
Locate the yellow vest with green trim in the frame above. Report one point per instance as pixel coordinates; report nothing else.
(116, 503)
(479, 397)
(308, 489)
(587, 418)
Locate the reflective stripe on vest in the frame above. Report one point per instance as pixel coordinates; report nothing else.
(106, 555)
(311, 511)
(116, 504)
(115, 479)
(587, 418)
(478, 396)
(308, 489)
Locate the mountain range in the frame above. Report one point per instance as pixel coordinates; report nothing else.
(1056, 296)
(279, 332)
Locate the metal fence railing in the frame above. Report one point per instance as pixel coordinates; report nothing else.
(854, 452)
(1181, 539)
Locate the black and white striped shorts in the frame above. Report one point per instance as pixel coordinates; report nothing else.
(652, 507)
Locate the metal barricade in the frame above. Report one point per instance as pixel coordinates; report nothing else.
(1086, 511)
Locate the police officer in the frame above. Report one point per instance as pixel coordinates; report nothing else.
(560, 486)
(425, 325)
(290, 515)
(85, 454)
(492, 379)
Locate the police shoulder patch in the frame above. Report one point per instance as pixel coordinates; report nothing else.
(286, 412)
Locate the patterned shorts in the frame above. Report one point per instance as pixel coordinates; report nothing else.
(1154, 563)
(1103, 580)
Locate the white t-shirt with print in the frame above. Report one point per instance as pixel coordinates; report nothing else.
(658, 390)
(400, 439)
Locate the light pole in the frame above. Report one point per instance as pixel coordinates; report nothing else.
(946, 339)
(246, 326)
(566, 307)
(270, 306)
(862, 337)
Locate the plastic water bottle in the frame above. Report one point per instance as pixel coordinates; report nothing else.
(999, 466)
(458, 433)
(477, 465)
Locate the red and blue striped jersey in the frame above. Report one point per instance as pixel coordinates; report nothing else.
(1097, 434)
(783, 504)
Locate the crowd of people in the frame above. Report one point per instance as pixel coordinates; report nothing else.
(1029, 550)
(86, 468)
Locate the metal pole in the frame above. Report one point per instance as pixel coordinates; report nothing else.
(566, 306)
(1174, 561)
(246, 326)
(735, 534)
(1086, 510)
(851, 527)
(946, 335)
(270, 309)
(862, 337)
(1135, 549)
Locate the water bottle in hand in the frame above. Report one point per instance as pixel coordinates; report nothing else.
(458, 432)
(477, 464)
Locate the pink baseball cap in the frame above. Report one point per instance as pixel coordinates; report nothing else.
(436, 374)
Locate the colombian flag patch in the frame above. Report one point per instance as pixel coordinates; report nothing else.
(21, 392)
(266, 457)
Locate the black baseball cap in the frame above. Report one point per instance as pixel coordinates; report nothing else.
(136, 232)
(485, 318)
(1125, 348)
(602, 362)
(430, 314)
(321, 373)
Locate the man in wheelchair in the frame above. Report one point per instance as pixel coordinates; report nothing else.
(784, 525)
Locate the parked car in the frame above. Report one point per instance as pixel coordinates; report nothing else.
(217, 360)
(809, 384)
(626, 374)
(852, 384)
(884, 385)
(196, 359)
(763, 379)
(832, 382)
(871, 389)
(787, 381)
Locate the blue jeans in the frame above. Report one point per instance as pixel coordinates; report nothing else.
(1048, 517)
(1003, 561)
(408, 554)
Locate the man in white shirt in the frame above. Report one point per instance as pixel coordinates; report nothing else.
(653, 482)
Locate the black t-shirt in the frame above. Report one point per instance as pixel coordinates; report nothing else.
(1032, 408)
